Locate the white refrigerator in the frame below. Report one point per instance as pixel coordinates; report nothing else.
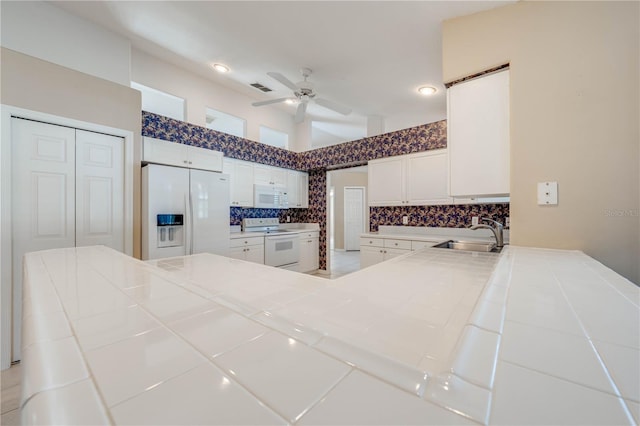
(184, 211)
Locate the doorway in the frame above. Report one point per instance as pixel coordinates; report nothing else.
(354, 220)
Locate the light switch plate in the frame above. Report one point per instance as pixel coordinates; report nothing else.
(474, 220)
(548, 193)
(405, 220)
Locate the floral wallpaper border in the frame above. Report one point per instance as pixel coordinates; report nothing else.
(405, 141)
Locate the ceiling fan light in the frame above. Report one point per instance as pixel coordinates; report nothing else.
(427, 90)
(220, 68)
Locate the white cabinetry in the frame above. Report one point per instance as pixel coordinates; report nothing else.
(267, 175)
(378, 249)
(478, 136)
(247, 248)
(414, 179)
(177, 154)
(309, 251)
(298, 189)
(241, 176)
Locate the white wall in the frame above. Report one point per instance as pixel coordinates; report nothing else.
(47, 32)
(574, 108)
(201, 93)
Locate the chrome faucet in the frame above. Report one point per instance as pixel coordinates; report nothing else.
(497, 230)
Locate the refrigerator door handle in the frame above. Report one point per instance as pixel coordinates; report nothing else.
(187, 224)
(191, 224)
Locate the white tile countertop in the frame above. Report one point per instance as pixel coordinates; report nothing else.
(527, 336)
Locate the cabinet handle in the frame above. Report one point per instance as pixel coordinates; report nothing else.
(396, 243)
(185, 161)
(370, 242)
(190, 162)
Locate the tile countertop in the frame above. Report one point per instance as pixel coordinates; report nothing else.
(432, 337)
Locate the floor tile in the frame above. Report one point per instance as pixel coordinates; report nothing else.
(558, 354)
(286, 374)
(11, 418)
(10, 399)
(217, 331)
(143, 361)
(12, 376)
(523, 396)
(360, 399)
(213, 399)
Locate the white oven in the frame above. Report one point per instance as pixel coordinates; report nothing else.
(282, 250)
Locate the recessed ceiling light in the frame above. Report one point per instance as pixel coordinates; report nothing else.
(427, 90)
(220, 68)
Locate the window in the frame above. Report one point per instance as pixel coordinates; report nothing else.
(159, 102)
(227, 123)
(274, 137)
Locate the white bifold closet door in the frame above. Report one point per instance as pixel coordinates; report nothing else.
(67, 191)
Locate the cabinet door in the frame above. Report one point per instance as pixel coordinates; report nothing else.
(204, 159)
(238, 253)
(262, 175)
(370, 256)
(292, 188)
(163, 152)
(309, 254)
(427, 178)
(303, 190)
(279, 176)
(478, 136)
(242, 184)
(255, 254)
(386, 182)
(390, 253)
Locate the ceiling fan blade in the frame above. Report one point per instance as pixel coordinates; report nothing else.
(270, 101)
(333, 106)
(302, 108)
(284, 80)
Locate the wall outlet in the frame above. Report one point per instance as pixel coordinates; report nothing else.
(288, 219)
(474, 220)
(405, 220)
(507, 222)
(548, 193)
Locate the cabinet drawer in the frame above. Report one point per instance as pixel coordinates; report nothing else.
(417, 245)
(246, 241)
(372, 242)
(399, 244)
(307, 235)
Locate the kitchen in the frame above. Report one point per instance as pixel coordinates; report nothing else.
(581, 222)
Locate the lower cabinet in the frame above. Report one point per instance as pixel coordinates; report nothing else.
(247, 248)
(375, 250)
(309, 251)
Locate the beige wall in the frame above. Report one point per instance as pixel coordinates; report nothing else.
(574, 119)
(37, 85)
(340, 179)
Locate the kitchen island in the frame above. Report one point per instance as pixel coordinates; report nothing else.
(435, 336)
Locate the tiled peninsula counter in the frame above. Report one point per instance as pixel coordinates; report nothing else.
(528, 336)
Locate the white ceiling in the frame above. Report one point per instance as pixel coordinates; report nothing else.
(368, 55)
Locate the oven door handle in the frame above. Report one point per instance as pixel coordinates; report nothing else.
(281, 237)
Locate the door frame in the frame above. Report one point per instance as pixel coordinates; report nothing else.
(6, 290)
(344, 213)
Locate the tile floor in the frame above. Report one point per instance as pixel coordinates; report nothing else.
(10, 400)
(342, 263)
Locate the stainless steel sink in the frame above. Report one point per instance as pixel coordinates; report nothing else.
(469, 246)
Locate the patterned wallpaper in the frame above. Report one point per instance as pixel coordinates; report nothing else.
(406, 141)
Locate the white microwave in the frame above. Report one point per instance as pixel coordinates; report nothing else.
(270, 197)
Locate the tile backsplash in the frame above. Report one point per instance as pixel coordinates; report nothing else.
(406, 141)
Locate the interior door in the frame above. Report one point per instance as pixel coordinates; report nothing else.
(43, 198)
(353, 217)
(99, 190)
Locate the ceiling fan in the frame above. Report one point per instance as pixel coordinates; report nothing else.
(303, 91)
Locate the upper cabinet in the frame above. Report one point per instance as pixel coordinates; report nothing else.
(414, 179)
(241, 177)
(478, 136)
(181, 155)
(298, 189)
(268, 175)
